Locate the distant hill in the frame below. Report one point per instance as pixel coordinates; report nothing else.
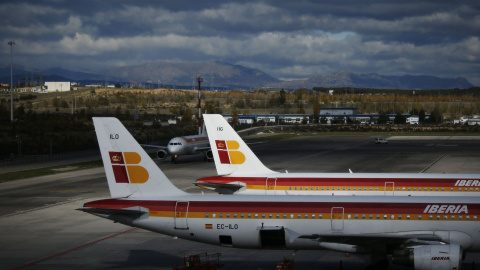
(52, 74)
(216, 74)
(372, 80)
(220, 75)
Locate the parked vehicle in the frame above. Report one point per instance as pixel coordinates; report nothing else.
(380, 140)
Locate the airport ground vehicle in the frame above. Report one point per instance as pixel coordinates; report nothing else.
(380, 141)
(201, 261)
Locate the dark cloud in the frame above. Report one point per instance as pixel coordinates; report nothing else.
(287, 39)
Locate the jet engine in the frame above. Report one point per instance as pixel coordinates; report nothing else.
(209, 154)
(430, 257)
(162, 154)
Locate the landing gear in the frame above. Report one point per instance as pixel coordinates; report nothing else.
(175, 159)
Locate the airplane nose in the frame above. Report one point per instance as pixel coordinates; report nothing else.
(174, 149)
(171, 149)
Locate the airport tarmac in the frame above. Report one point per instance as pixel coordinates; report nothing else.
(40, 228)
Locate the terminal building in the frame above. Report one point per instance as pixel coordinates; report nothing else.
(327, 115)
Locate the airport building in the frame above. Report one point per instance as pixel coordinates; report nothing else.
(57, 86)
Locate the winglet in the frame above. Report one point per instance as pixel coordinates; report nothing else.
(231, 154)
(130, 171)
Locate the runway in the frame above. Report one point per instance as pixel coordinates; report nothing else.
(40, 228)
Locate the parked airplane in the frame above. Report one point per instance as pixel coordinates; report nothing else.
(241, 172)
(424, 232)
(186, 145)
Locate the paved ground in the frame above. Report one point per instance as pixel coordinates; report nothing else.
(40, 229)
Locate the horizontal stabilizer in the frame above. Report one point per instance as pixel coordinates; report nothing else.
(136, 210)
(222, 188)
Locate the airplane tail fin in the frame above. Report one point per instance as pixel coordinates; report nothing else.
(230, 152)
(130, 171)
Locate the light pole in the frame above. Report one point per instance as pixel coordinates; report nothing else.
(11, 43)
(199, 80)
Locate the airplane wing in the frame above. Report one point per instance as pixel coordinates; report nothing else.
(366, 239)
(154, 146)
(367, 242)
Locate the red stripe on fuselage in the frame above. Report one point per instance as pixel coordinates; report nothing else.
(282, 207)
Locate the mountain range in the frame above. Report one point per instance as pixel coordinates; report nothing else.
(221, 75)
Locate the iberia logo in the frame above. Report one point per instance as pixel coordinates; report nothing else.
(125, 168)
(227, 153)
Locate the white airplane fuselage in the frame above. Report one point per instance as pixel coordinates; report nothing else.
(241, 172)
(391, 184)
(186, 145)
(241, 220)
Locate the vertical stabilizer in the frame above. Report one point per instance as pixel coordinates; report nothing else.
(130, 171)
(230, 152)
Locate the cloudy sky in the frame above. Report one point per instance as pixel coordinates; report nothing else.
(285, 38)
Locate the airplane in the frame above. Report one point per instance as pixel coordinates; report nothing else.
(423, 232)
(185, 145)
(241, 172)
